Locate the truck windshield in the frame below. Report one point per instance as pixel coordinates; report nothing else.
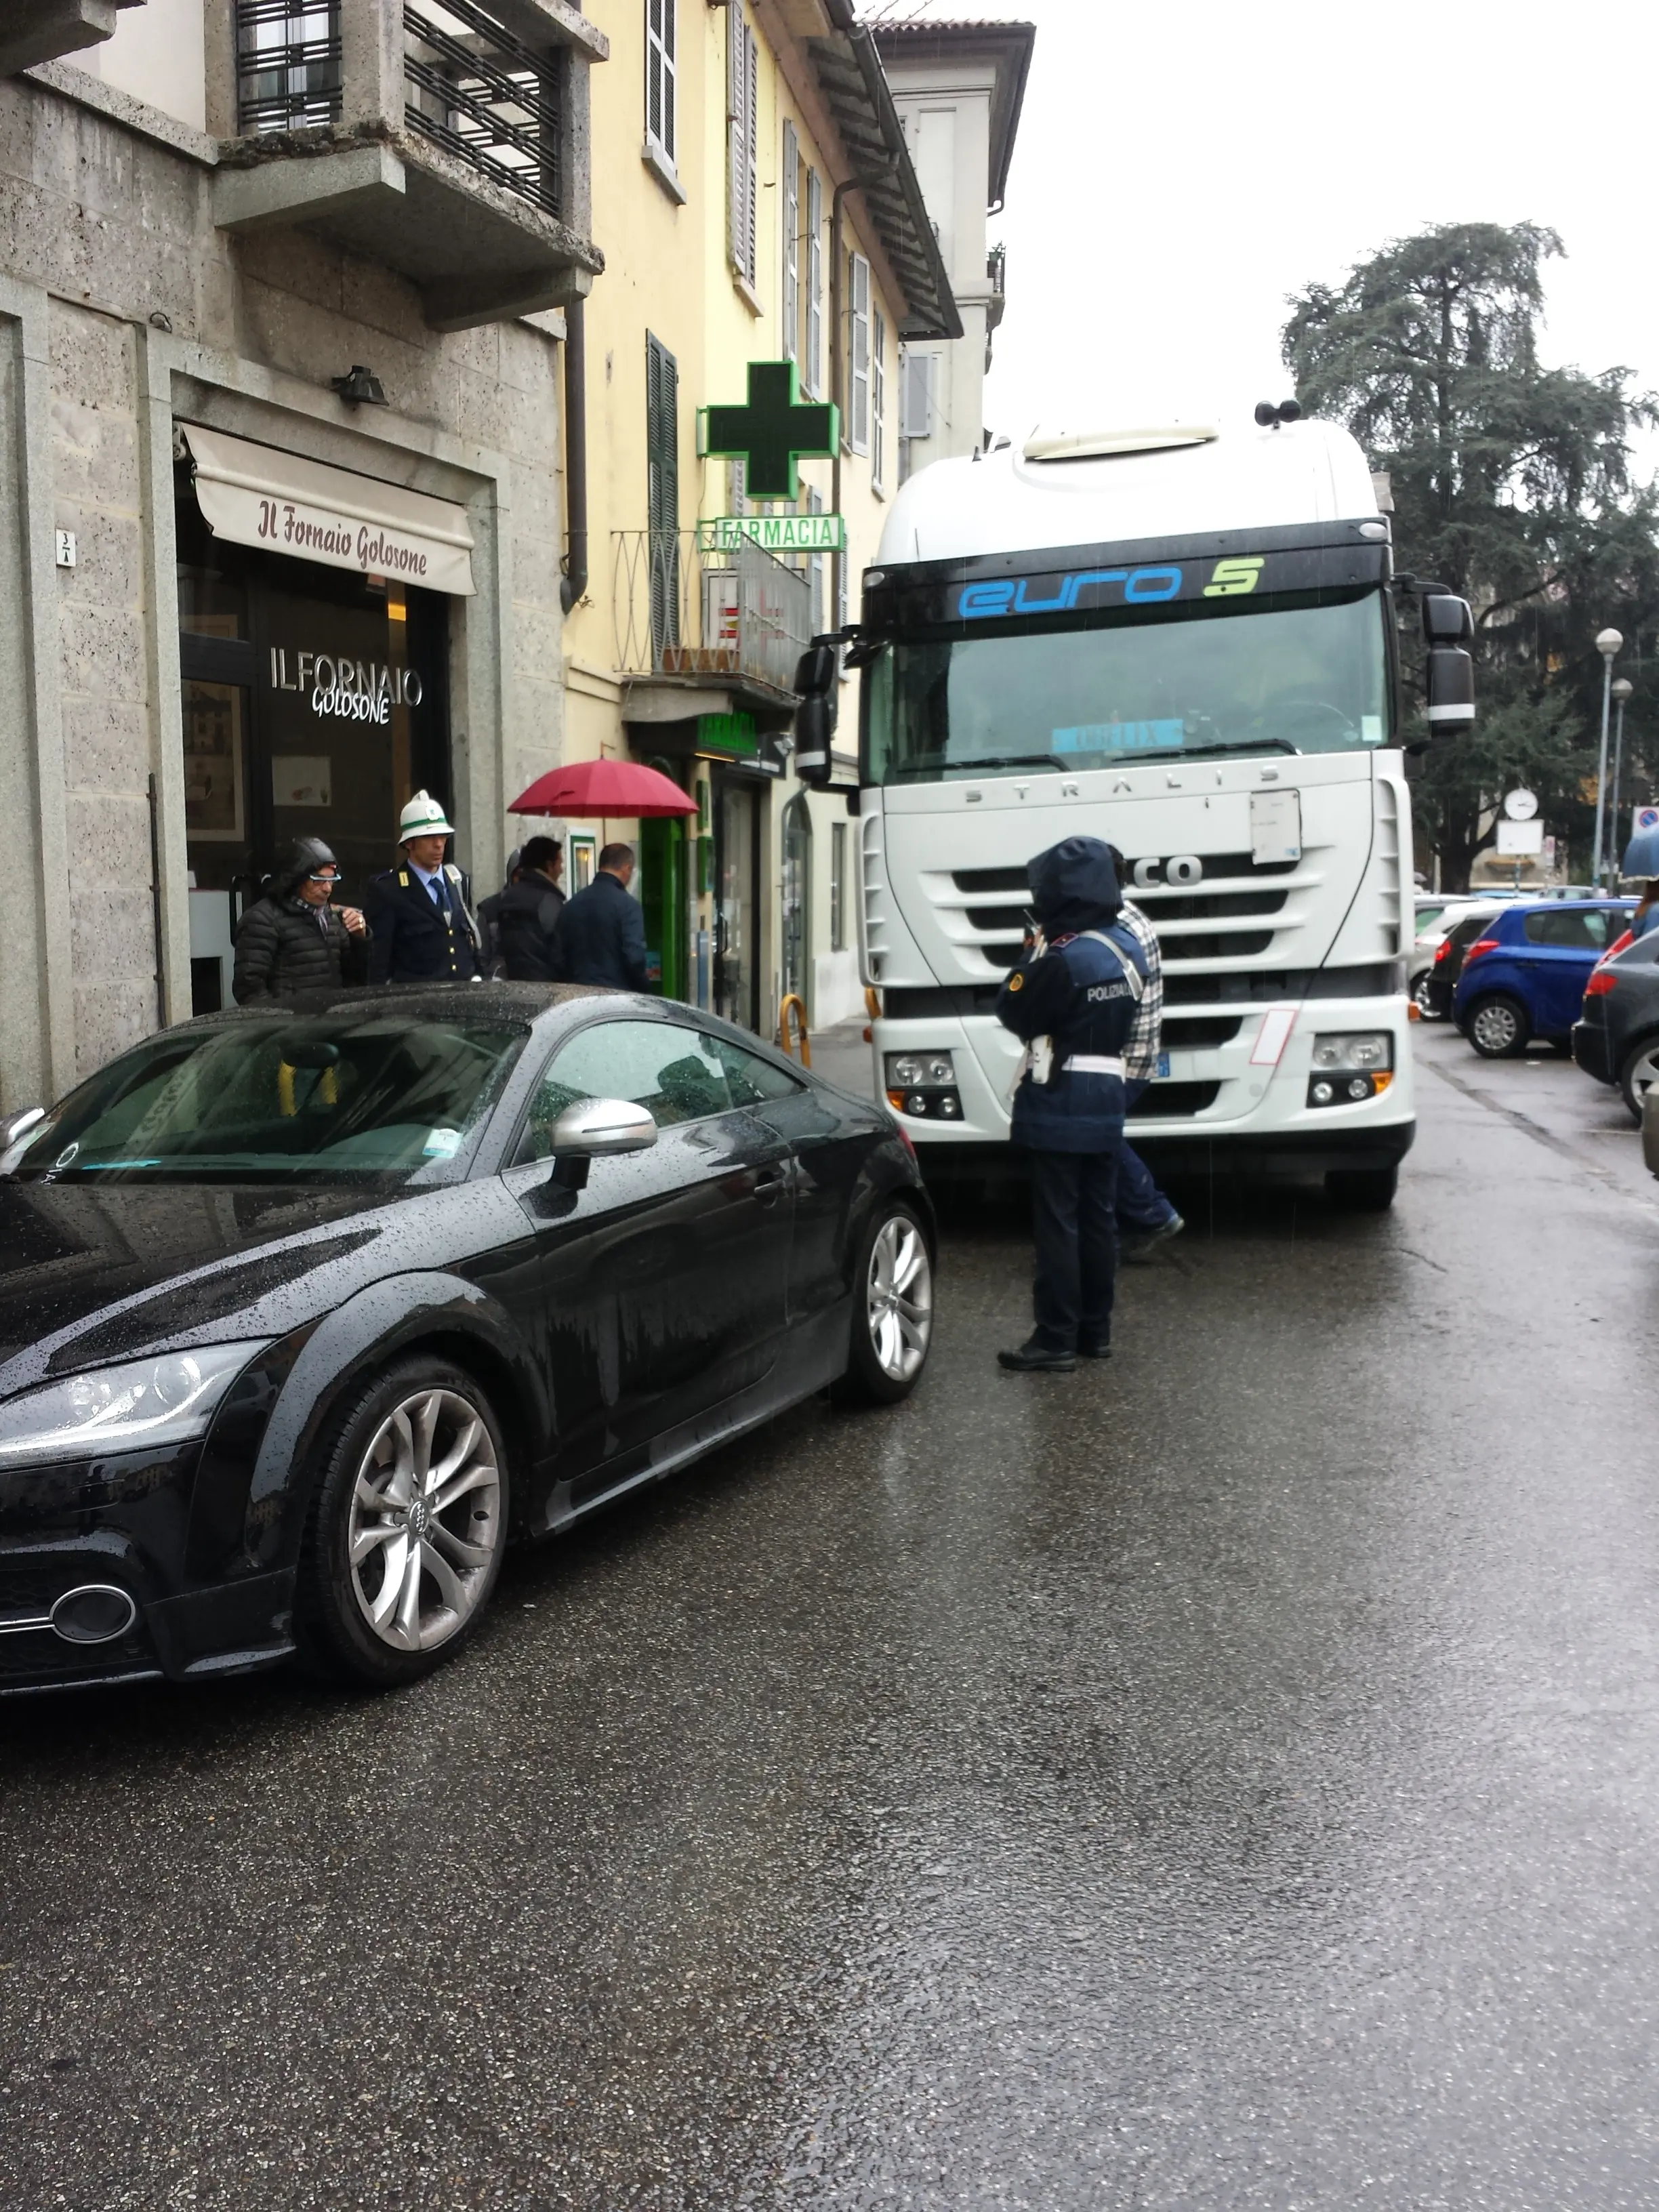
(1288, 676)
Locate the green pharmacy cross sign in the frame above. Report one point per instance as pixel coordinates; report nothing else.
(772, 431)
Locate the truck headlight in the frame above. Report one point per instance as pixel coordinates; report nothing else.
(1351, 1066)
(165, 1401)
(920, 1070)
(1361, 1050)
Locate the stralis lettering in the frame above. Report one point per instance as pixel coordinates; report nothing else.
(297, 531)
(350, 691)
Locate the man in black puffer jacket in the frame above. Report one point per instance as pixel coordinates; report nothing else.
(292, 939)
(527, 913)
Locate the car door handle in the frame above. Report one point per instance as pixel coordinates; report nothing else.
(768, 1186)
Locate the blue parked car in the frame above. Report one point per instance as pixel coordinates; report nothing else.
(1524, 975)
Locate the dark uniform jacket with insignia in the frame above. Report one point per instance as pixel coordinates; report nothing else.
(1077, 991)
(411, 941)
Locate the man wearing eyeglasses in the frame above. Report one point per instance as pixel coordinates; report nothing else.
(294, 939)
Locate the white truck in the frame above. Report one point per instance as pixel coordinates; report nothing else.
(1182, 639)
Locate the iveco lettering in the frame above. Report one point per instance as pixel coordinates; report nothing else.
(1181, 639)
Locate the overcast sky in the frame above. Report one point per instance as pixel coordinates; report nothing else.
(1181, 167)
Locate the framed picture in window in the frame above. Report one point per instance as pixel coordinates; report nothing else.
(581, 857)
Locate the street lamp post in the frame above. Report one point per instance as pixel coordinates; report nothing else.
(1606, 644)
(1622, 688)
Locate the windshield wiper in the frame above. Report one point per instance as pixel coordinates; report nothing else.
(1009, 760)
(1247, 746)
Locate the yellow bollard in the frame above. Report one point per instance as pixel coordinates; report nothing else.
(795, 999)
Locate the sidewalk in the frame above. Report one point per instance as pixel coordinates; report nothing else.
(841, 1056)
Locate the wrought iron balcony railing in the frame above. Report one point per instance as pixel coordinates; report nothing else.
(683, 610)
(448, 139)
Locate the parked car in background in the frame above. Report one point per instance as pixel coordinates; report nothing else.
(1616, 1037)
(1523, 975)
(1437, 918)
(306, 1309)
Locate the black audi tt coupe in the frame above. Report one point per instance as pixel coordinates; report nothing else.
(305, 1310)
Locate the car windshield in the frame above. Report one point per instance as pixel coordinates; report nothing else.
(353, 1096)
(1291, 676)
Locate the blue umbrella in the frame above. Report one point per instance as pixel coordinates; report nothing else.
(1642, 855)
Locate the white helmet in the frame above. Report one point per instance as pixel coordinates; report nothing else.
(423, 817)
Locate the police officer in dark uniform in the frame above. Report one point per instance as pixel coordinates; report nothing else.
(420, 915)
(1072, 999)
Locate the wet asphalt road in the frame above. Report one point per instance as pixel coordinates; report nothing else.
(1229, 1778)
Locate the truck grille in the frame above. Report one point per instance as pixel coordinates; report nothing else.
(1162, 1102)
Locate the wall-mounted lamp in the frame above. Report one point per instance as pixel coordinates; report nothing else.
(359, 387)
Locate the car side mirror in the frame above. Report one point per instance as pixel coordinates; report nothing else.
(593, 1128)
(14, 1126)
(818, 679)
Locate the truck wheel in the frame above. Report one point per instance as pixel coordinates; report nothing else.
(1363, 1190)
(1639, 1072)
(1497, 1027)
(892, 1309)
(407, 1526)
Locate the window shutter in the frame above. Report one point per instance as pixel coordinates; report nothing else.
(791, 304)
(916, 395)
(659, 72)
(858, 349)
(879, 399)
(737, 172)
(662, 462)
(750, 147)
(814, 365)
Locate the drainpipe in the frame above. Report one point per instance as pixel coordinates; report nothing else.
(573, 582)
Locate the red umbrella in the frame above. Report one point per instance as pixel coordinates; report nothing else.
(612, 789)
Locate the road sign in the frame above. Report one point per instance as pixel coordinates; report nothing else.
(1521, 840)
(1643, 817)
(772, 431)
(1520, 804)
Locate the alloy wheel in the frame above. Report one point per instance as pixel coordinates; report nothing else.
(425, 1522)
(899, 1298)
(1641, 1073)
(1496, 1027)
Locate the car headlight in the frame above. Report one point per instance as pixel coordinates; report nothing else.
(166, 1401)
(910, 1071)
(1365, 1050)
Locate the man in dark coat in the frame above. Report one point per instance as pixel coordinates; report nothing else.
(527, 913)
(293, 940)
(420, 914)
(1071, 999)
(601, 934)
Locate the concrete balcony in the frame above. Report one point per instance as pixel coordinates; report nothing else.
(445, 141)
(34, 31)
(704, 632)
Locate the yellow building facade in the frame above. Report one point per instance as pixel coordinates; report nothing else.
(755, 205)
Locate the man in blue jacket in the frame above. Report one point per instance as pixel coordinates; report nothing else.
(1072, 999)
(601, 934)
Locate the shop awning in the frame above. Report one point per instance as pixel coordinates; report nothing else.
(256, 495)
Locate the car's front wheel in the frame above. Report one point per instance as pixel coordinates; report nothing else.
(407, 1526)
(1497, 1027)
(892, 1309)
(1422, 997)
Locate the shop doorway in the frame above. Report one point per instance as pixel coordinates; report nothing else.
(663, 899)
(737, 899)
(314, 704)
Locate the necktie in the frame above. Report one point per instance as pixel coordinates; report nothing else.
(440, 895)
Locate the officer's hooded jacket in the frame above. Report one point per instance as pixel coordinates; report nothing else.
(285, 946)
(411, 941)
(1077, 993)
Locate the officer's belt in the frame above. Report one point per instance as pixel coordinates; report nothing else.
(1093, 1063)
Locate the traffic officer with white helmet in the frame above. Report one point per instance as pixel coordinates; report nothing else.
(1071, 999)
(419, 914)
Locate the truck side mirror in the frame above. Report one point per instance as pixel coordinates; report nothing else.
(1446, 619)
(817, 678)
(1451, 691)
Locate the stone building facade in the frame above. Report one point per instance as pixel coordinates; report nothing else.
(156, 742)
